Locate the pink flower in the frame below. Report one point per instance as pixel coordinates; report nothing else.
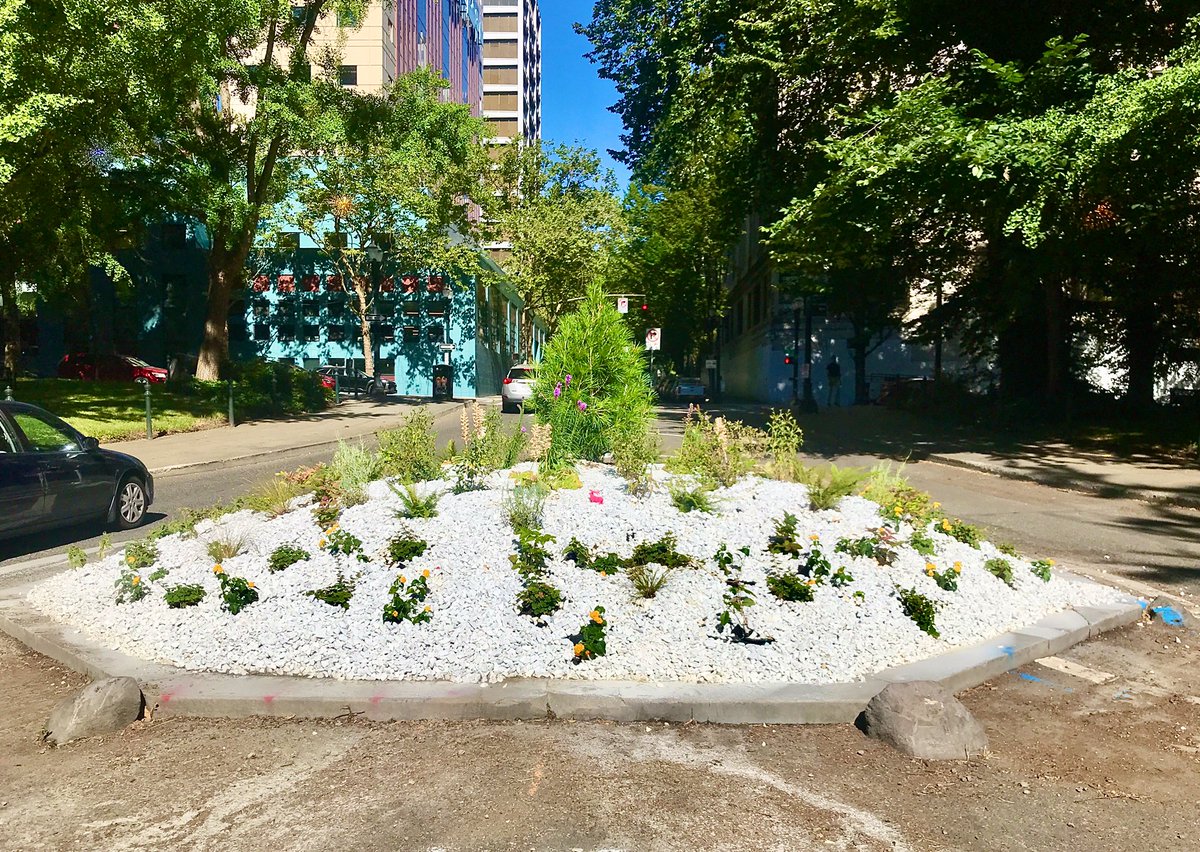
(558, 390)
(523, 430)
(568, 379)
(582, 405)
(595, 497)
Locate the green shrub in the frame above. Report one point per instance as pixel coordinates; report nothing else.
(738, 598)
(179, 597)
(524, 505)
(76, 556)
(409, 452)
(271, 388)
(131, 587)
(1001, 569)
(921, 542)
(696, 499)
(607, 563)
(878, 546)
(592, 386)
(1041, 569)
(826, 490)
(720, 450)
(784, 439)
(531, 557)
(405, 603)
(590, 642)
(141, 554)
(338, 593)
(648, 581)
(1008, 550)
(661, 552)
(632, 456)
(285, 556)
(402, 549)
(538, 599)
(413, 505)
(920, 609)
(947, 578)
(783, 541)
(354, 467)
(962, 531)
(578, 552)
(790, 587)
(342, 543)
(237, 593)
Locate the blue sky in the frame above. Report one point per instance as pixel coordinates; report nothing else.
(575, 100)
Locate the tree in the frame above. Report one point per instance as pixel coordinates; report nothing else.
(399, 176)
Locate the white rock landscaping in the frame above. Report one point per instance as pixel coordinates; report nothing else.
(476, 633)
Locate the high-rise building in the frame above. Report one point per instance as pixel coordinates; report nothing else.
(512, 69)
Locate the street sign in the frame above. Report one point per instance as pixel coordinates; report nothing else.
(622, 305)
(710, 364)
(654, 339)
(373, 317)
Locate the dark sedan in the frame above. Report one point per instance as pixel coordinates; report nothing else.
(52, 476)
(351, 380)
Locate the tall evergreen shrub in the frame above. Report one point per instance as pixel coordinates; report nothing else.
(592, 387)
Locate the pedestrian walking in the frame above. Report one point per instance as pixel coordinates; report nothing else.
(834, 371)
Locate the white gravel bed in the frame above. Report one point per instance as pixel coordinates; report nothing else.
(476, 633)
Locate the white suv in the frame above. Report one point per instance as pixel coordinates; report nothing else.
(517, 387)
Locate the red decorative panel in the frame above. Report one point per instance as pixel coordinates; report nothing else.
(409, 283)
(261, 284)
(310, 283)
(286, 284)
(333, 283)
(436, 284)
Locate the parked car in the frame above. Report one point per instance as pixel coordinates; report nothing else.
(52, 476)
(351, 380)
(690, 390)
(109, 368)
(517, 387)
(327, 382)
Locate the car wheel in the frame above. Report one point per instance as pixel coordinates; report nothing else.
(507, 407)
(131, 503)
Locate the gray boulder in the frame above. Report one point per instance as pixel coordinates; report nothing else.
(924, 720)
(101, 707)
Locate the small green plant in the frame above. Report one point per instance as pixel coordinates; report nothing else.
(738, 598)
(661, 552)
(590, 641)
(826, 490)
(1041, 569)
(578, 552)
(285, 556)
(402, 549)
(962, 531)
(538, 599)
(920, 609)
(784, 541)
(790, 587)
(76, 556)
(413, 505)
(563, 478)
(784, 438)
(633, 454)
(647, 579)
(859, 597)
(1008, 550)
(841, 577)
(338, 593)
(104, 546)
(327, 511)
(1001, 569)
(720, 450)
(131, 587)
(531, 557)
(406, 601)
(141, 554)
(237, 593)
(524, 505)
(947, 578)
(482, 449)
(180, 597)
(225, 547)
(341, 543)
(696, 499)
(922, 543)
(158, 574)
(409, 452)
(607, 563)
(816, 565)
(879, 546)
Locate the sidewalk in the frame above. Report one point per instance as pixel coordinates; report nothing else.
(351, 419)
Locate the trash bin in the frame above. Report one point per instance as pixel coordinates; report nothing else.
(443, 381)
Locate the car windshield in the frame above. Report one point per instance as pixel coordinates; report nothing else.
(521, 373)
(137, 362)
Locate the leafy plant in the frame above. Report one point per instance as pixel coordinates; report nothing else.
(524, 505)
(738, 598)
(592, 386)
(696, 499)
(661, 552)
(633, 454)
(947, 578)
(237, 593)
(76, 556)
(578, 552)
(1008, 550)
(532, 556)
(225, 547)
(405, 603)
(413, 505)
(783, 541)
(920, 609)
(720, 450)
(409, 452)
(187, 519)
(402, 549)
(538, 599)
(1041, 569)
(158, 573)
(482, 448)
(104, 546)
(841, 577)
(878, 546)
(922, 543)
(590, 641)
(816, 565)
(962, 531)
(607, 563)
(130, 587)
(285, 556)
(1001, 569)
(342, 543)
(338, 593)
(790, 587)
(180, 597)
(826, 490)
(647, 580)
(784, 438)
(141, 554)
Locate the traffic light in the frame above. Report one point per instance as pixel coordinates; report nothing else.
(645, 307)
(788, 359)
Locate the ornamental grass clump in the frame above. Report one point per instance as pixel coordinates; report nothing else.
(413, 505)
(285, 556)
(354, 467)
(590, 641)
(409, 452)
(407, 601)
(181, 597)
(592, 387)
(720, 450)
(237, 593)
(225, 547)
(524, 505)
(827, 488)
(648, 579)
(1001, 569)
(920, 609)
(274, 497)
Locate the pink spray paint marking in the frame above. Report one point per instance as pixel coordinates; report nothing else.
(596, 497)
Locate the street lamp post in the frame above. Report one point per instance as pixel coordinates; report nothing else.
(808, 404)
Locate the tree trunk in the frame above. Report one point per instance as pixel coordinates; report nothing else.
(364, 308)
(1141, 354)
(226, 272)
(12, 325)
(1056, 356)
(862, 388)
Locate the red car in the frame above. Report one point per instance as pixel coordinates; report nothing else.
(109, 368)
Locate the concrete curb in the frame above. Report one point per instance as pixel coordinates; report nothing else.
(1138, 494)
(175, 468)
(176, 692)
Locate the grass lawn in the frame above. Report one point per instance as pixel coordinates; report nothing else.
(115, 411)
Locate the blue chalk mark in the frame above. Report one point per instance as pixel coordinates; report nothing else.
(1170, 616)
(1008, 650)
(1029, 677)
(1143, 604)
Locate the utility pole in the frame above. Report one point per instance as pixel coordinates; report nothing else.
(808, 405)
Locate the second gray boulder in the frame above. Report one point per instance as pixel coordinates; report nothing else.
(924, 720)
(101, 707)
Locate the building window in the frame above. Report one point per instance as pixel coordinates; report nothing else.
(387, 333)
(349, 18)
(411, 334)
(262, 331)
(261, 308)
(288, 241)
(312, 333)
(336, 333)
(312, 312)
(348, 75)
(436, 333)
(334, 240)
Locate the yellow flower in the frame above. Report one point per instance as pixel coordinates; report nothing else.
(578, 649)
(249, 584)
(333, 529)
(321, 543)
(425, 573)
(395, 614)
(930, 568)
(945, 525)
(217, 569)
(814, 538)
(596, 617)
(1051, 562)
(898, 512)
(403, 579)
(603, 573)
(811, 583)
(129, 559)
(937, 505)
(429, 609)
(136, 579)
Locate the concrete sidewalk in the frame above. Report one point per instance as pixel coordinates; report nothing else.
(351, 419)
